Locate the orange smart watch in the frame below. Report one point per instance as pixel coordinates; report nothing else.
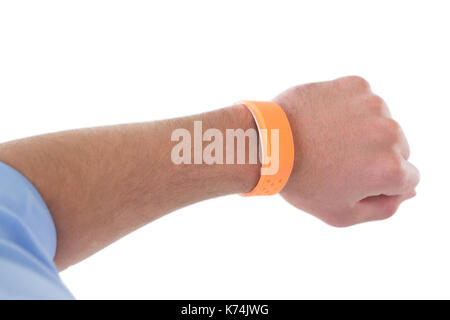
(276, 147)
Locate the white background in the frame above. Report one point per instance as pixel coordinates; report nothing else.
(71, 64)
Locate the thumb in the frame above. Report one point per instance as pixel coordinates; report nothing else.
(381, 207)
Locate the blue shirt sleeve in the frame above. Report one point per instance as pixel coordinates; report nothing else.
(27, 242)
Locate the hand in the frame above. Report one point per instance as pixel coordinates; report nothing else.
(350, 156)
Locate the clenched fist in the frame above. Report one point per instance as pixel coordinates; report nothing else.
(351, 158)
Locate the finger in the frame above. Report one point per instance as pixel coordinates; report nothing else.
(395, 176)
(380, 207)
(378, 106)
(403, 146)
(402, 142)
(404, 181)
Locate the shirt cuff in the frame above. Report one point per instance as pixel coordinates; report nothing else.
(27, 212)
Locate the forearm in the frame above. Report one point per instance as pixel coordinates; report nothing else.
(103, 183)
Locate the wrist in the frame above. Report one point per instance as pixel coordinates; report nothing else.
(276, 147)
(218, 161)
(244, 177)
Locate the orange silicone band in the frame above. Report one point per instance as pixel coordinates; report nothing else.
(273, 129)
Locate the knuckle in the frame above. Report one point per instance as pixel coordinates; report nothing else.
(380, 131)
(393, 125)
(393, 129)
(396, 171)
(377, 104)
(387, 130)
(358, 82)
